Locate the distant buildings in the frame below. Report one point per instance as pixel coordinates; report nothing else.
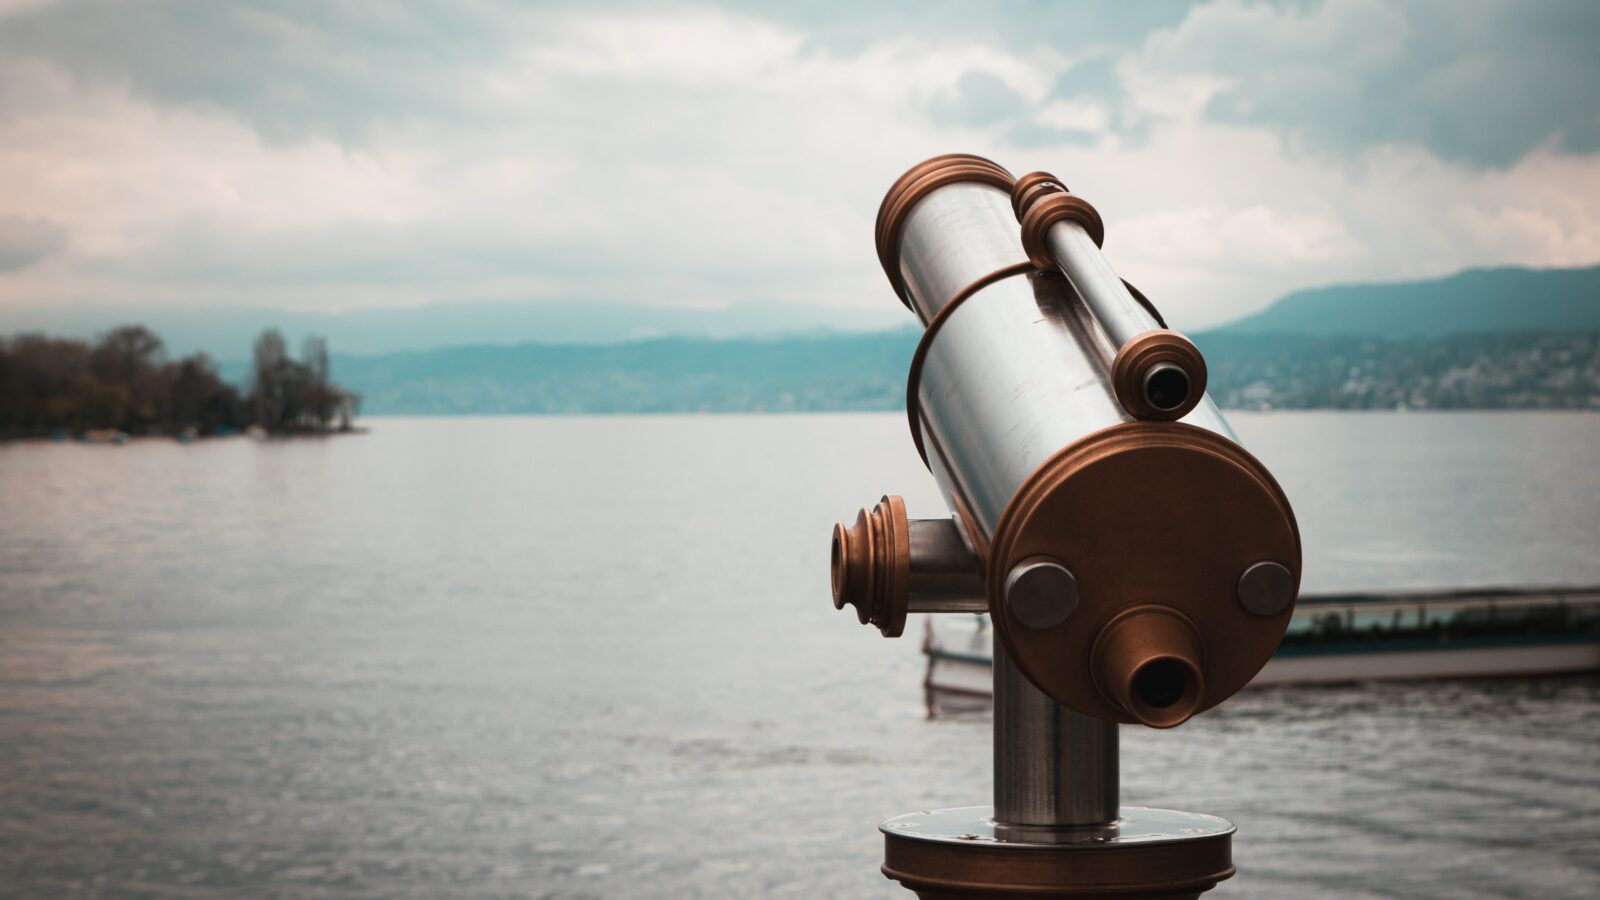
(1469, 371)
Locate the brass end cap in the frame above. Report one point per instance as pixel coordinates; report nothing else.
(1159, 375)
(1146, 660)
(1046, 209)
(918, 182)
(872, 566)
(1149, 517)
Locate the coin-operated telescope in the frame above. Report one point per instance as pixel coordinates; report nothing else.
(1138, 565)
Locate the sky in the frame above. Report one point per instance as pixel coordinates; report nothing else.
(322, 156)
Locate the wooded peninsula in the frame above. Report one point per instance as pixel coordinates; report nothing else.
(124, 384)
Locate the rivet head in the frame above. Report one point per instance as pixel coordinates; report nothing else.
(1041, 593)
(1266, 588)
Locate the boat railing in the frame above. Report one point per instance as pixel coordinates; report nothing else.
(1445, 616)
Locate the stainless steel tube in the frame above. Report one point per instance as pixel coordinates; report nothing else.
(944, 575)
(1053, 768)
(1122, 317)
(953, 237)
(1024, 359)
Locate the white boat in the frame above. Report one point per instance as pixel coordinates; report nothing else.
(1351, 637)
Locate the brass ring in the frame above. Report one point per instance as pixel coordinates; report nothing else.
(1031, 187)
(1050, 209)
(1142, 354)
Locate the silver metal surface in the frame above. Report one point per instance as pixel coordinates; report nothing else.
(1015, 374)
(1129, 825)
(1266, 588)
(951, 238)
(945, 576)
(1052, 767)
(1122, 317)
(1018, 372)
(1041, 593)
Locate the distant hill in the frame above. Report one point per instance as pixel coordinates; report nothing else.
(783, 374)
(1477, 300)
(1483, 370)
(1486, 339)
(1484, 300)
(867, 372)
(227, 332)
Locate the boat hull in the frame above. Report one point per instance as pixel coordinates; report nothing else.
(1331, 648)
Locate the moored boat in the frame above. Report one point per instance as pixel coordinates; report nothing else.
(1353, 637)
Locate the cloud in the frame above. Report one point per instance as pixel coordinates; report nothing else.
(322, 156)
(24, 242)
(1477, 81)
(292, 69)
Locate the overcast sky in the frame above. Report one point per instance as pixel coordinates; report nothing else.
(318, 155)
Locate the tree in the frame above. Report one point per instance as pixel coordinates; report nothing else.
(272, 388)
(130, 357)
(199, 398)
(321, 397)
(123, 381)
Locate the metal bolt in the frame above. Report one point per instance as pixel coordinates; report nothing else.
(1266, 588)
(1041, 593)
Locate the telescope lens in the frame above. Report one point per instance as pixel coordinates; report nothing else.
(1166, 387)
(1161, 683)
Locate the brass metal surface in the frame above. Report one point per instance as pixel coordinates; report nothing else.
(1144, 353)
(916, 183)
(1031, 187)
(872, 566)
(1079, 863)
(1146, 513)
(1148, 661)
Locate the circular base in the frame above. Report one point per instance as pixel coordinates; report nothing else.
(946, 854)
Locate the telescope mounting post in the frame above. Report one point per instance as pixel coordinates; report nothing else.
(1138, 565)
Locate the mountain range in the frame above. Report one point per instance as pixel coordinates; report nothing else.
(1476, 300)
(1506, 337)
(227, 331)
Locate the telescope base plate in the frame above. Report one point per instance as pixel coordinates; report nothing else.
(963, 854)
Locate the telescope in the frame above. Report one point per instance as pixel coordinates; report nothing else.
(1138, 565)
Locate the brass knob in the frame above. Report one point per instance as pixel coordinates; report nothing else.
(872, 566)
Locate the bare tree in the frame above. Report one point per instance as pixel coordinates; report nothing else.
(271, 388)
(321, 398)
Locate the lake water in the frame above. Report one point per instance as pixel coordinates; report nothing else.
(596, 657)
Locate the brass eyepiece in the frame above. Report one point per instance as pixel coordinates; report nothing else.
(1159, 375)
(1147, 662)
